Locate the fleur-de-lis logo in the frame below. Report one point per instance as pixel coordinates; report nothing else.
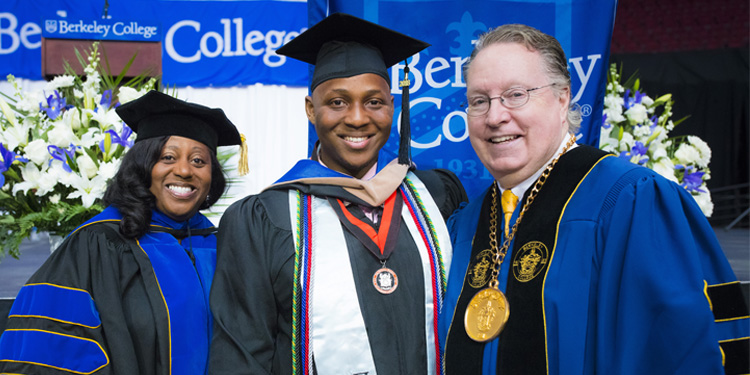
(467, 30)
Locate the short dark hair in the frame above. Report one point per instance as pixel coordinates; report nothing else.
(129, 191)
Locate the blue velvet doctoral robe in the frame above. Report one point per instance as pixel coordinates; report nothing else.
(630, 287)
(104, 304)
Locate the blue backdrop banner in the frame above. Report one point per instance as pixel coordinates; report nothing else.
(227, 43)
(438, 122)
(204, 43)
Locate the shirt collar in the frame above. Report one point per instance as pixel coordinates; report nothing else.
(520, 189)
(369, 175)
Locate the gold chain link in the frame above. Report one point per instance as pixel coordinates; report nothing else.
(498, 255)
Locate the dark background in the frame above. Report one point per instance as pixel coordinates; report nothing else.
(696, 50)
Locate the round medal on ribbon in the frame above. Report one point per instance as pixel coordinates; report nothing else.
(385, 280)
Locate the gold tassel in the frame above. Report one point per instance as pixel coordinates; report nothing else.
(243, 168)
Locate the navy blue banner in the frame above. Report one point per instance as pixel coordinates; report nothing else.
(205, 43)
(438, 122)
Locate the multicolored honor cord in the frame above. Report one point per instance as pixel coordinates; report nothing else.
(303, 264)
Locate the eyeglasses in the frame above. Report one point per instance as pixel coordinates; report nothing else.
(511, 98)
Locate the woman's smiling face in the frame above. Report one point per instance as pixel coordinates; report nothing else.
(181, 178)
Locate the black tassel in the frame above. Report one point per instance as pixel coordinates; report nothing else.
(404, 146)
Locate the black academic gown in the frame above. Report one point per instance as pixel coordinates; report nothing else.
(252, 293)
(104, 304)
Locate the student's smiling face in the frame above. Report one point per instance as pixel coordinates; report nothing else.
(352, 117)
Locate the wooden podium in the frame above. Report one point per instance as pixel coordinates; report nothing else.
(115, 53)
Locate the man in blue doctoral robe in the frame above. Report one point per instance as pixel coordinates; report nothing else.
(605, 267)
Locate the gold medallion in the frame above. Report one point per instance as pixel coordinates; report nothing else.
(486, 315)
(488, 310)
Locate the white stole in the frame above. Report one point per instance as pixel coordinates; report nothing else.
(339, 340)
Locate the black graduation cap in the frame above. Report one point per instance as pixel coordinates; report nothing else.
(156, 114)
(342, 45)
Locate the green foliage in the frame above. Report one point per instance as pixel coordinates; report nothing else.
(55, 192)
(59, 219)
(55, 186)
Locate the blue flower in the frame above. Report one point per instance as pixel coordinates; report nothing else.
(605, 124)
(691, 181)
(63, 155)
(121, 139)
(8, 158)
(654, 123)
(54, 107)
(629, 102)
(626, 99)
(106, 100)
(638, 97)
(639, 148)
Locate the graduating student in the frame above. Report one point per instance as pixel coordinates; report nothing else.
(127, 291)
(601, 266)
(339, 266)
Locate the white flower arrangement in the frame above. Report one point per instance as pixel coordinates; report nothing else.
(59, 148)
(636, 127)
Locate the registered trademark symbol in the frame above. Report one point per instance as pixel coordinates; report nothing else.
(586, 110)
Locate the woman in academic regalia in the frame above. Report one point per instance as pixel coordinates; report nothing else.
(127, 292)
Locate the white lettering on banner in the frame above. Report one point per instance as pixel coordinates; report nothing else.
(83, 28)
(446, 127)
(228, 38)
(396, 74)
(458, 63)
(252, 38)
(133, 28)
(576, 61)
(238, 27)
(414, 103)
(10, 31)
(118, 28)
(169, 42)
(430, 70)
(254, 43)
(439, 64)
(274, 40)
(234, 41)
(28, 29)
(204, 44)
